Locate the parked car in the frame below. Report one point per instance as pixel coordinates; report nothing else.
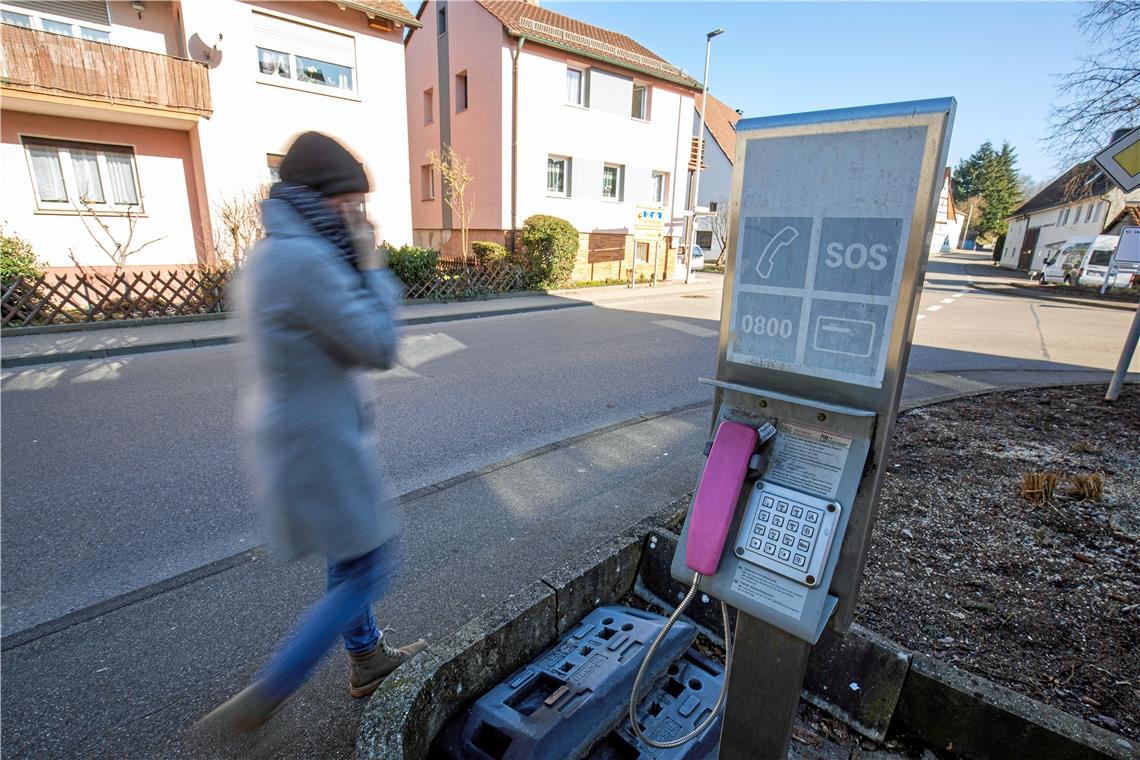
(698, 260)
(1061, 266)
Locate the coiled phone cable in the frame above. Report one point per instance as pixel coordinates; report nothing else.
(633, 698)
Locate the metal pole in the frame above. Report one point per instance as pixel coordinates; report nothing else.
(695, 187)
(1126, 355)
(763, 692)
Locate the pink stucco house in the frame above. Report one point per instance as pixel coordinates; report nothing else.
(167, 110)
(555, 116)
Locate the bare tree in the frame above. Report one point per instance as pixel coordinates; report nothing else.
(456, 174)
(119, 246)
(237, 226)
(719, 222)
(1103, 93)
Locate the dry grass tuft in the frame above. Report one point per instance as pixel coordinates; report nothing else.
(1087, 486)
(1038, 487)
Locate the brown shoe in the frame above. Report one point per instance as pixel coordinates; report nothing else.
(246, 711)
(368, 669)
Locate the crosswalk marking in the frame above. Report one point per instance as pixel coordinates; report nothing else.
(951, 382)
(685, 327)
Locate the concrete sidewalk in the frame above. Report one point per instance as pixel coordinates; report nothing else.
(102, 340)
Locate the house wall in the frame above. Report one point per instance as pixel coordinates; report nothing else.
(715, 185)
(591, 137)
(166, 179)
(154, 29)
(255, 115)
(1048, 220)
(946, 232)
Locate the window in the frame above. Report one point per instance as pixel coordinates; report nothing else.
(295, 52)
(17, 19)
(68, 175)
(574, 90)
(1064, 218)
(660, 187)
(1089, 213)
(461, 92)
(643, 252)
(273, 164)
(57, 26)
(613, 179)
(429, 107)
(441, 21)
(640, 101)
(704, 239)
(427, 183)
(558, 176)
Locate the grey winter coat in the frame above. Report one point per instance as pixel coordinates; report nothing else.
(310, 322)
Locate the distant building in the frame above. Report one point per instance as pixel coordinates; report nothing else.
(716, 180)
(555, 116)
(948, 222)
(1082, 201)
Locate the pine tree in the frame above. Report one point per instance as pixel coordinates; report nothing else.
(970, 172)
(1001, 189)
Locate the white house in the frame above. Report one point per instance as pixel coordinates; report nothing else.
(554, 116)
(1082, 201)
(716, 178)
(141, 119)
(947, 222)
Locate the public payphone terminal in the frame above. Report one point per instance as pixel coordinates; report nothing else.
(830, 225)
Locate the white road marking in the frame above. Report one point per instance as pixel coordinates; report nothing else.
(685, 327)
(951, 381)
(947, 300)
(922, 316)
(935, 307)
(958, 295)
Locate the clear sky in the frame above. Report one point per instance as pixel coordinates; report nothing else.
(1000, 60)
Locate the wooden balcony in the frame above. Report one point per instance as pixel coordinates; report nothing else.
(49, 72)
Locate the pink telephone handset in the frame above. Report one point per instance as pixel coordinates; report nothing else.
(713, 506)
(717, 494)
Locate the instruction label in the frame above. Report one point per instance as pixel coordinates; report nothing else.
(809, 459)
(783, 595)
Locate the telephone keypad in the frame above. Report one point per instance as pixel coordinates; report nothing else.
(793, 532)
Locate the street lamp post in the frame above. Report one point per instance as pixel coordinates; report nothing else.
(691, 229)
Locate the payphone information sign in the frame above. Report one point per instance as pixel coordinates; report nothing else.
(824, 221)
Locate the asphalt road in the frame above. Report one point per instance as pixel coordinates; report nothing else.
(119, 475)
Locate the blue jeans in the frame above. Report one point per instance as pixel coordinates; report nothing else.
(344, 611)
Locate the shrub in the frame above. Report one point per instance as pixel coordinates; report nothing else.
(17, 258)
(487, 252)
(414, 266)
(546, 251)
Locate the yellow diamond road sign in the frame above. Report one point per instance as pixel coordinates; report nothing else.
(1121, 161)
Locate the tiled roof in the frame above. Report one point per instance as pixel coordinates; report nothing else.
(523, 19)
(1083, 180)
(721, 121)
(392, 9)
(1129, 216)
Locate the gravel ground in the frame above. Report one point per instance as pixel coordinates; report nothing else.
(1043, 599)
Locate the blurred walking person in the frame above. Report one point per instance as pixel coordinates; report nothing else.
(318, 305)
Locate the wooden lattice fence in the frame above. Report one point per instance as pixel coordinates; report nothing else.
(54, 299)
(455, 280)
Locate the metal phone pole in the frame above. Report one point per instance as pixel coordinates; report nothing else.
(691, 230)
(1126, 355)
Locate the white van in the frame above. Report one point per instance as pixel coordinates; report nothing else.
(1083, 260)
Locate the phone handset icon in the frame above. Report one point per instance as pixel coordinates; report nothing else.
(779, 241)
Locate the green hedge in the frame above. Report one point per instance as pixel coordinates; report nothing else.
(546, 250)
(487, 252)
(17, 259)
(414, 266)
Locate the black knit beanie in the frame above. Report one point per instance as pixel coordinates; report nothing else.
(320, 162)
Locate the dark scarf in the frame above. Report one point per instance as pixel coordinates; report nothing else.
(314, 209)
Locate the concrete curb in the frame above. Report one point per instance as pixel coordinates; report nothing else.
(1117, 303)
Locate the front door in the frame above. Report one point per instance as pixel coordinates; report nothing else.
(1028, 244)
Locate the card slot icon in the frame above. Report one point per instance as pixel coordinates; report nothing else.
(839, 335)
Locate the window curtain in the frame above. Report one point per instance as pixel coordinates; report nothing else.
(49, 175)
(87, 180)
(124, 189)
